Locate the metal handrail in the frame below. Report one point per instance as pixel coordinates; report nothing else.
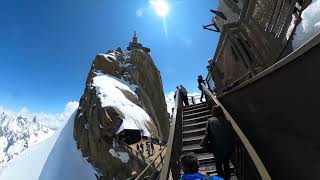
(152, 163)
(247, 145)
(173, 150)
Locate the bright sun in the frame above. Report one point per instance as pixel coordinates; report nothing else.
(161, 7)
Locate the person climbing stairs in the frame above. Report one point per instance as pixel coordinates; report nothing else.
(195, 118)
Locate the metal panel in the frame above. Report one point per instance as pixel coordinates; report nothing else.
(278, 112)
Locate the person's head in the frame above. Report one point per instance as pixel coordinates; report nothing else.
(189, 163)
(134, 174)
(200, 76)
(177, 87)
(217, 111)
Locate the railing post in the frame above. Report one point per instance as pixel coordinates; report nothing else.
(192, 98)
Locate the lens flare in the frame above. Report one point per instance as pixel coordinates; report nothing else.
(161, 7)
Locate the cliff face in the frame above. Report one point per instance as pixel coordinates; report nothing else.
(150, 92)
(123, 92)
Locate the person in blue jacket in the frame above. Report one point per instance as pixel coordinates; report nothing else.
(190, 166)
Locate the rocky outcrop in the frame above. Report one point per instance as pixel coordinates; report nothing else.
(135, 80)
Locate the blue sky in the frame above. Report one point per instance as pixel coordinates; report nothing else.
(47, 47)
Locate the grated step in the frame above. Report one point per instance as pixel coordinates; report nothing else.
(187, 116)
(196, 119)
(196, 109)
(194, 106)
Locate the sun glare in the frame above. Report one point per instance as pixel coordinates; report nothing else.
(161, 7)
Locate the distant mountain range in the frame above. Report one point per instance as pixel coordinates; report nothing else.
(17, 133)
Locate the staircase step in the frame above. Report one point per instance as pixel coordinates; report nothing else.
(197, 109)
(192, 140)
(205, 158)
(194, 132)
(195, 115)
(208, 168)
(194, 106)
(196, 125)
(196, 148)
(212, 170)
(196, 119)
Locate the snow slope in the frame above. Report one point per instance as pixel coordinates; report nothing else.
(65, 160)
(309, 26)
(18, 133)
(29, 164)
(24, 129)
(55, 158)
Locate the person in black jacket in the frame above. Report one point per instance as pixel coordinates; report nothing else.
(200, 80)
(184, 94)
(220, 141)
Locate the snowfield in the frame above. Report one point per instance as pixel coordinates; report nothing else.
(55, 158)
(24, 129)
(18, 133)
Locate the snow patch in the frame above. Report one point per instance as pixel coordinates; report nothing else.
(109, 92)
(309, 26)
(123, 156)
(109, 57)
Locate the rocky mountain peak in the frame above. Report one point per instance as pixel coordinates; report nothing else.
(123, 99)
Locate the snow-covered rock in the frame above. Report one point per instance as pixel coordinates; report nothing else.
(109, 91)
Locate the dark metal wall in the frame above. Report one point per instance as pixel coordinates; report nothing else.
(279, 113)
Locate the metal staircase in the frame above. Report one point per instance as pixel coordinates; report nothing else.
(187, 130)
(195, 118)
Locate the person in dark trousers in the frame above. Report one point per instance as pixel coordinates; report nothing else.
(152, 147)
(142, 146)
(148, 148)
(138, 148)
(200, 80)
(184, 94)
(220, 141)
(190, 166)
(175, 94)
